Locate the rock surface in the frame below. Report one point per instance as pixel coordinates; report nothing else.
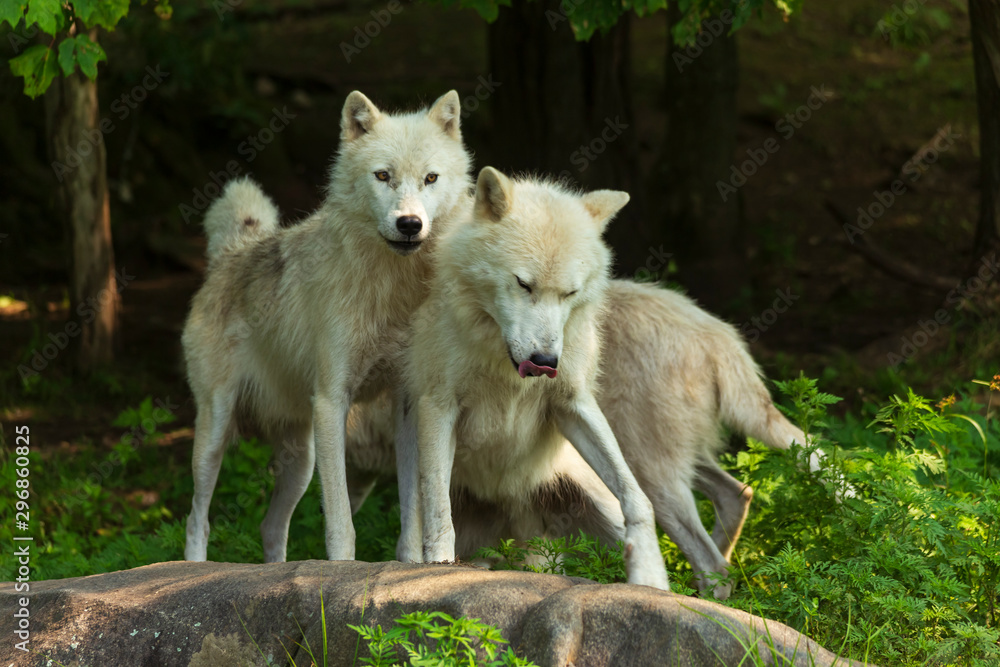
(204, 615)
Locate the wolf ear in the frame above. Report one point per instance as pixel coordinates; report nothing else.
(604, 204)
(446, 112)
(494, 193)
(358, 117)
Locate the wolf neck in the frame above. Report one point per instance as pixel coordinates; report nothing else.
(456, 307)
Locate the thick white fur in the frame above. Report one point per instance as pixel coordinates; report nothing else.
(481, 426)
(240, 217)
(673, 378)
(293, 325)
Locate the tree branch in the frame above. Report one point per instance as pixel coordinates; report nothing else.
(888, 263)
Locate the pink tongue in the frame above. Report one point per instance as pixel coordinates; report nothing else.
(527, 368)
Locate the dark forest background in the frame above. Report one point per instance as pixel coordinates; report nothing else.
(826, 177)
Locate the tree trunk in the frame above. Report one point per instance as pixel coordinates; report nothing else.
(698, 151)
(76, 146)
(564, 108)
(984, 18)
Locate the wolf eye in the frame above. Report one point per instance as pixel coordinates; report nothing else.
(382, 175)
(523, 284)
(569, 294)
(430, 178)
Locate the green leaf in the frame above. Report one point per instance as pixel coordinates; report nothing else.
(67, 56)
(80, 50)
(48, 14)
(972, 421)
(105, 13)
(12, 11)
(88, 54)
(38, 66)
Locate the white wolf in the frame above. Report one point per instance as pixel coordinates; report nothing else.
(517, 295)
(673, 378)
(294, 324)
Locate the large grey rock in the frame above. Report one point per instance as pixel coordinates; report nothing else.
(211, 614)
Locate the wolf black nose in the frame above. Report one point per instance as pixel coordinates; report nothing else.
(409, 225)
(544, 360)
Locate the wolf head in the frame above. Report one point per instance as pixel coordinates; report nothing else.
(533, 256)
(400, 171)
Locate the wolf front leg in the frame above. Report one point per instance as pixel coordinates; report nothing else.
(436, 446)
(584, 425)
(410, 547)
(330, 426)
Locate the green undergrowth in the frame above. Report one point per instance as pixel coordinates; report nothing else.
(891, 550)
(436, 639)
(95, 509)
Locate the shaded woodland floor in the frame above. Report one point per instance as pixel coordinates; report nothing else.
(884, 105)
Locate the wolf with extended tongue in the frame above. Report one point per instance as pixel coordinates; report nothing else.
(502, 372)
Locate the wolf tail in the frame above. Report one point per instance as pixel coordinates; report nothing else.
(746, 406)
(242, 213)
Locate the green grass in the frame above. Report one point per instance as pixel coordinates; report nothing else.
(906, 571)
(101, 511)
(436, 639)
(903, 569)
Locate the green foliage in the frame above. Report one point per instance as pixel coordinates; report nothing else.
(103, 510)
(890, 552)
(435, 639)
(80, 51)
(808, 403)
(144, 421)
(587, 17)
(104, 13)
(905, 419)
(87, 515)
(915, 24)
(912, 556)
(71, 47)
(38, 66)
(581, 556)
(47, 14)
(11, 11)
